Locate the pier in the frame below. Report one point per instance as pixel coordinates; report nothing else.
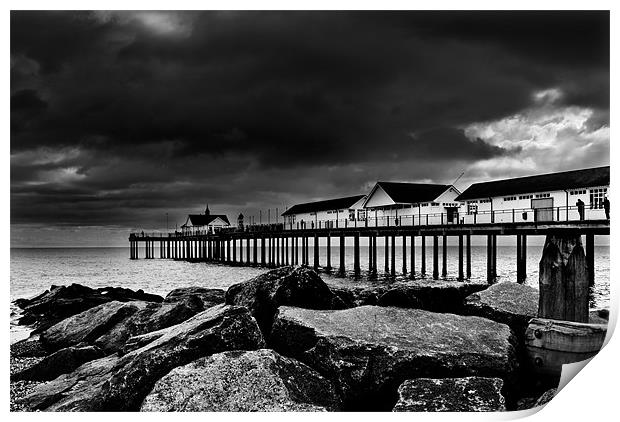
(276, 245)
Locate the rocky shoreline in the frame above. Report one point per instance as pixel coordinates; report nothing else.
(283, 341)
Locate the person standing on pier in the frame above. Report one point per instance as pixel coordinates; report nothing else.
(581, 208)
(606, 206)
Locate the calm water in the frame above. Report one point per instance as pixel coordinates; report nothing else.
(35, 270)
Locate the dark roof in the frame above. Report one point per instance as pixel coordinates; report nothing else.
(329, 204)
(204, 220)
(574, 179)
(411, 193)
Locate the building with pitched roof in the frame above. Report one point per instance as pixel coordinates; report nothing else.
(544, 197)
(203, 223)
(399, 203)
(327, 213)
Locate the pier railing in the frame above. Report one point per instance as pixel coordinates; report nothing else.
(515, 215)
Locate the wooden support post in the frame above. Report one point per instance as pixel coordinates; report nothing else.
(423, 257)
(287, 251)
(520, 275)
(393, 257)
(412, 260)
(444, 256)
(387, 255)
(461, 275)
(404, 254)
(342, 269)
(316, 252)
(296, 251)
(329, 253)
(262, 251)
(435, 257)
(468, 256)
(369, 253)
(255, 251)
(590, 258)
(356, 254)
(374, 255)
(490, 278)
(563, 279)
(494, 257)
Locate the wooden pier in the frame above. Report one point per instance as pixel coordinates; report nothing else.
(274, 245)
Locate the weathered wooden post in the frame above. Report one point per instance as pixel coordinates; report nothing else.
(435, 257)
(356, 254)
(329, 253)
(423, 256)
(374, 255)
(412, 260)
(563, 279)
(468, 256)
(444, 256)
(404, 255)
(494, 237)
(369, 254)
(262, 251)
(521, 258)
(316, 251)
(387, 255)
(342, 270)
(393, 257)
(461, 257)
(490, 278)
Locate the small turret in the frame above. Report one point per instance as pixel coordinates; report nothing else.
(207, 211)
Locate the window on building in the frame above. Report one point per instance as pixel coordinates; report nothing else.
(543, 195)
(424, 205)
(485, 201)
(510, 198)
(472, 202)
(361, 215)
(351, 215)
(526, 196)
(597, 196)
(472, 208)
(578, 192)
(434, 204)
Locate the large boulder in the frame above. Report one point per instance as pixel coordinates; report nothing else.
(61, 362)
(369, 351)
(431, 295)
(468, 394)
(120, 383)
(209, 297)
(60, 302)
(509, 303)
(291, 286)
(241, 381)
(87, 326)
(153, 317)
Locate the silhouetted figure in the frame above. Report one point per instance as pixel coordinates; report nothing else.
(606, 206)
(581, 208)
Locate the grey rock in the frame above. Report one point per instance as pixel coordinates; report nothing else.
(241, 381)
(153, 317)
(60, 302)
(120, 383)
(61, 362)
(209, 297)
(468, 394)
(369, 351)
(509, 303)
(291, 286)
(87, 326)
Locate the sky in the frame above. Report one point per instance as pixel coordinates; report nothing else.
(129, 121)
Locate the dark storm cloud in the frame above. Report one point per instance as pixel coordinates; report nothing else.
(115, 116)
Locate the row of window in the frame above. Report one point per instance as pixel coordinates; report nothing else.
(578, 192)
(510, 198)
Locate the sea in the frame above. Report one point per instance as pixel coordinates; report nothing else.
(33, 271)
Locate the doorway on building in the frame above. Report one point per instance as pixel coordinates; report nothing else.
(543, 209)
